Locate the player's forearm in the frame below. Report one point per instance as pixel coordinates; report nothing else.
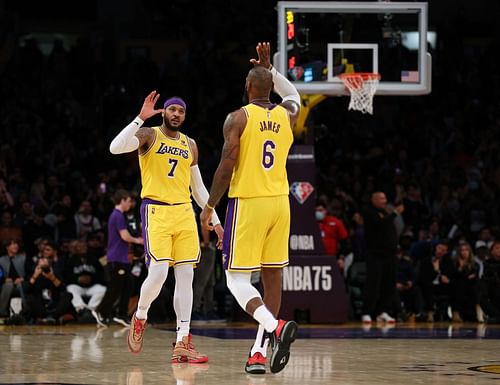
(222, 178)
(284, 88)
(126, 141)
(200, 193)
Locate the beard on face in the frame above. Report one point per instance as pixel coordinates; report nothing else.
(167, 124)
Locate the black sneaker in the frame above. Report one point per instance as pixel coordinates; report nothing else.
(281, 339)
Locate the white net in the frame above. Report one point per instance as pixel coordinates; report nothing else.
(362, 87)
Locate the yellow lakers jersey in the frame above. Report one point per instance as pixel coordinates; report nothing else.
(264, 144)
(166, 169)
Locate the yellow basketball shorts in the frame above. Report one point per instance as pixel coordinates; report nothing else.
(256, 233)
(170, 233)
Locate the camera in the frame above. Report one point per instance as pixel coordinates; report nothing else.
(46, 269)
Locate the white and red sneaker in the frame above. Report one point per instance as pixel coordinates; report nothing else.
(184, 351)
(256, 364)
(135, 337)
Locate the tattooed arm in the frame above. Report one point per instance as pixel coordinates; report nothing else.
(233, 128)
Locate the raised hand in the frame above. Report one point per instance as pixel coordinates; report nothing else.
(264, 53)
(148, 108)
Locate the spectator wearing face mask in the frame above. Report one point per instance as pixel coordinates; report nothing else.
(332, 230)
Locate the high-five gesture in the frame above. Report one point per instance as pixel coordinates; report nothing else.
(148, 108)
(264, 52)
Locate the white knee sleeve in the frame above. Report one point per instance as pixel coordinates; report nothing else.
(241, 288)
(151, 287)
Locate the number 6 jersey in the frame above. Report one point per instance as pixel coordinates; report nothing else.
(260, 170)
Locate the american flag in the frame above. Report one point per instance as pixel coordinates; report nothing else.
(409, 76)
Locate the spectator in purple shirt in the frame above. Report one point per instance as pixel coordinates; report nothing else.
(118, 263)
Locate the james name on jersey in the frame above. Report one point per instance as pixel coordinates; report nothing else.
(267, 125)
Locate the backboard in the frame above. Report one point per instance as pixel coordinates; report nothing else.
(319, 40)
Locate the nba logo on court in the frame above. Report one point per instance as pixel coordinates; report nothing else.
(301, 191)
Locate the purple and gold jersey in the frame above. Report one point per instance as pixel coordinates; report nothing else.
(166, 169)
(260, 170)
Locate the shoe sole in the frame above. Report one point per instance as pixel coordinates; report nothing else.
(281, 354)
(190, 360)
(255, 369)
(183, 355)
(130, 333)
(185, 359)
(130, 349)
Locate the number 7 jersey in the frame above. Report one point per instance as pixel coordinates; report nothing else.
(260, 170)
(166, 169)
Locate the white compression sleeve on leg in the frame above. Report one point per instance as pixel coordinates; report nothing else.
(151, 287)
(126, 141)
(240, 286)
(183, 298)
(284, 88)
(200, 193)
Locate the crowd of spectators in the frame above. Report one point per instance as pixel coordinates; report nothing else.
(437, 154)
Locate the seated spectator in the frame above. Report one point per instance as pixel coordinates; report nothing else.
(8, 230)
(84, 277)
(65, 218)
(96, 244)
(490, 285)
(24, 215)
(485, 237)
(13, 265)
(481, 253)
(465, 285)
(85, 221)
(34, 229)
(434, 277)
(32, 260)
(47, 301)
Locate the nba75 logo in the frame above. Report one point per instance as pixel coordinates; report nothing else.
(301, 191)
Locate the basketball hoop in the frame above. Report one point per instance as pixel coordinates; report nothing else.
(362, 86)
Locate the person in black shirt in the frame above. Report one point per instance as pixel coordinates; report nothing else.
(381, 260)
(47, 300)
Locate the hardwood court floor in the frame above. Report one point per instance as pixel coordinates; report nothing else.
(342, 355)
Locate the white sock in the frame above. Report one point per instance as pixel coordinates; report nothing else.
(261, 342)
(265, 318)
(183, 298)
(151, 287)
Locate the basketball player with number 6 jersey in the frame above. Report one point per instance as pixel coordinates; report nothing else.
(168, 160)
(257, 139)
